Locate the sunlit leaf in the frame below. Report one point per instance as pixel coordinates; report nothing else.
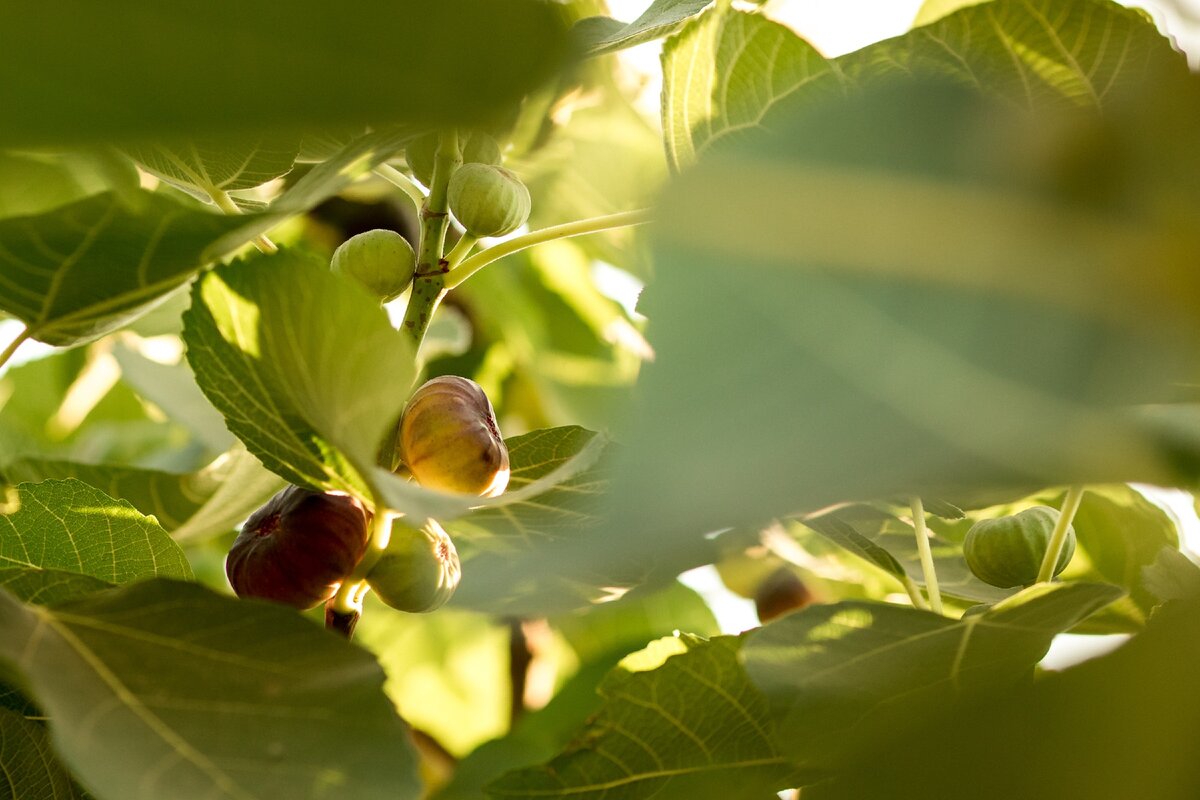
(168, 687)
(598, 35)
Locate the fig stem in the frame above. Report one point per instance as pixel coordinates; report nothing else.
(226, 204)
(578, 227)
(350, 594)
(22, 337)
(1058, 537)
(402, 182)
(931, 581)
(461, 250)
(429, 279)
(914, 593)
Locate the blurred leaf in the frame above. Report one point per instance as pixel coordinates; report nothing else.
(85, 269)
(447, 672)
(172, 388)
(207, 169)
(692, 727)
(151, 686)
(600, 637)
(1172, 576)
(68, 525)
(728, 68)
(240, 485)
(949, 316)
(933, 10)
(48, 587)
(1121, 725)
(598, 35)
(35, 183)
(230, 69)
(304, 365)
(838, 678)
(28, 767)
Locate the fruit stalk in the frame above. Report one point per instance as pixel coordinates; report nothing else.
(349, 597)
(16, 343)
(429, 281)
(931, 581)
(1058, 537)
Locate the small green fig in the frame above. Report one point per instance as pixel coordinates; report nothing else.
(1008, 551)
(299, 547)
(418, 571)
(381, 260)
(488, 200)
(449, 438)
(479, 148)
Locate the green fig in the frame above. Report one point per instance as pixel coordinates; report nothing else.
(449, 438)
(488, 200)
(1008, 551)
(381, 260)
(479, 148)
(299, 547)
(418, 571)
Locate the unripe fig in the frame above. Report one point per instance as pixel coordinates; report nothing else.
(1008, 551)
(488, 200)
(298, 547)
(478, 148)
(782, 592)
(449, 438)
(418, 571)
(381, 260)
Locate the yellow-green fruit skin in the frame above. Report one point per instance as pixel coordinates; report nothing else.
(419, 570)
(380, 260)
(449, 438)
(488, 200)
(1008, 551)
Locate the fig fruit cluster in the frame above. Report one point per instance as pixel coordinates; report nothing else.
(299, 547)
(477, 148)
(449, 438)
(1008, 551)
(381, 260)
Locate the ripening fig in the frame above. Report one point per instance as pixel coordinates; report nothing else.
(449, 438)
(418, 571)
(488, 200)
(478, 148)
(781, 592)
(381, 260)
(1008, 551)
(298, 547)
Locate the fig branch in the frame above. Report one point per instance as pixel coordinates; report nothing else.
(402, 182)
(1058, 537)
(566, 230)
(429, 280)
(14, 344)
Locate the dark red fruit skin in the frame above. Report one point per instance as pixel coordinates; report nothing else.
(298, 547)
(780, 593)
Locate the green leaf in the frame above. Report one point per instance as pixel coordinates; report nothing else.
(1121, 725)
(86, 269)
(922, 304)
(232, 70)
(599, 637)
(598, 35)
(728, 69)
(1172, 576)
(48, 587)
(838, 676)
(304, 365)
(68, 525)
(192, 505)
(165, 687)
(692, 727)
(209, 169)
(36, 183)
(28, 767)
